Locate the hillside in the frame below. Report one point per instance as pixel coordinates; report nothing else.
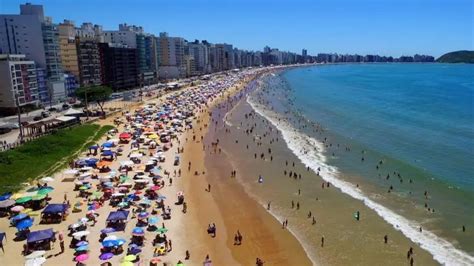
(457, 57)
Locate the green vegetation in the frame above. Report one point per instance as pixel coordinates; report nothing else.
(457, 57)
(97, 94)
(45, 155)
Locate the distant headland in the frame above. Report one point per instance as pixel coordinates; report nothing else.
(463, 56)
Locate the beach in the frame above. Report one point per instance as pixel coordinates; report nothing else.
(238, 173)
(261, 232)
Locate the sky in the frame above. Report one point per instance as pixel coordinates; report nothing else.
(384, 27)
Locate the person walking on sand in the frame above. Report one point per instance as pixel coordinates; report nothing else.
(322, 241)
(208, 187)
(61, 241)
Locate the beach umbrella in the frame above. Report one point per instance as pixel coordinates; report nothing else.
(35, 262)
(45, 190)
(39, 197)
(122, 204)
(130, 258)
(137, 231)
(82, 257)
(80, 234)
(23, 200)
(7, 203)
(82, 248)
(24, 224)
(121, 241)
(111, 237)
(109, 243)
(154, 188)
(5, 196)
(47, 179)
(107, 230)
(143, 215)
(18, 217)
(126, 263)
(135, 251)
(16, 196)
(162, 230)
(35, 254)
(106, 256)
(155, 260)
(153, 220)
(82, 243)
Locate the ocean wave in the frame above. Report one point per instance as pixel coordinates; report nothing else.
(310, 152)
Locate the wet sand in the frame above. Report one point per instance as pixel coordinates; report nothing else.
(346, 241)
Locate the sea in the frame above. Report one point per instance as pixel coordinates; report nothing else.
(397, 137)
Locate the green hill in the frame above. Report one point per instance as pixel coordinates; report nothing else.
(457, 57)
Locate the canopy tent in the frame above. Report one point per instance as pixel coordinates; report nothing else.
(118, 216)
(108, 153)
(55, 208)
(65, 118)
(73, 112)
(40, 235)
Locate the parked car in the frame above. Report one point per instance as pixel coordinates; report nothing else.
(46, 113)
(66, 106)
(37, 118)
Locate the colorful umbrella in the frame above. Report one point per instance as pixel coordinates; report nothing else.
(153, 220)
(35, 254)
(82, 257)
(80, 234)
(162, 230)
(39, 197)
(82, 248)
(110, 243)
(24, 224)
(107, 230)
(143, 215)
(23, 200)
(45, 190)
(130, 258)
(17, 208)
(106, 256)
(138, 231)
(82, 243)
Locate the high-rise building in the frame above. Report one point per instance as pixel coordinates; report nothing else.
(67, 45)
(90, 71)
(90, 31)
(43, 92)
(18, 83)
(200, 54)
(34, 35)
(171, 56)
(120, 66)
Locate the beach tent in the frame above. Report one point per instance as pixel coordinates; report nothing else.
(118, 216)
(108, 153)
(55, 208)
(40, 240)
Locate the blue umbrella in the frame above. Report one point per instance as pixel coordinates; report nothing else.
(5, 196)
(82, 248)
(108, 145)
(121, 241)
(82, 243)
(24, 224)
(153, 220)
(134, 251)
(110, 243)
(138, 231)
(19, 217)
(107, 230)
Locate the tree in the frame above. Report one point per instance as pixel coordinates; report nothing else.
(97, 94)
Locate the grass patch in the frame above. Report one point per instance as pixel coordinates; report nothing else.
(45, 155)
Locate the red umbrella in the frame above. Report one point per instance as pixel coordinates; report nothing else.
(125, 135)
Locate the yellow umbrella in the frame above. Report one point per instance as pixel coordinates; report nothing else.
(126, 263)
(153, 136)
(129, 258)
(26, 211)
(16, 196)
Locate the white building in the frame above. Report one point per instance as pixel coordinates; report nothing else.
(17, 80)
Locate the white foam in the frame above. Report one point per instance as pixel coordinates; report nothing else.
(442, 250)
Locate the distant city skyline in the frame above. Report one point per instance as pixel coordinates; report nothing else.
(388, 28)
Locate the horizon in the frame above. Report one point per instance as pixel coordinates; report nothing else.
(428, 27)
